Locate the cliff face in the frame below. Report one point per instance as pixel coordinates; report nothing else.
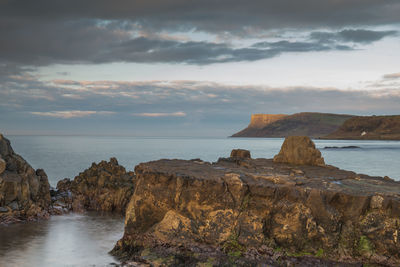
(259, 121)
(307, 123)
(369, 127)
(243, 210)
(24, 192)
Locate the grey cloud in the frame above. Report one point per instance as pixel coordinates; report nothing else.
(351, 35)
(44, 32)
(286, 46)
(28, 104)
(392, 76)
(235, 16)
(177, 98)
(117, 47)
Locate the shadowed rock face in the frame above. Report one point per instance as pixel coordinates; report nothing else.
(240, 153)
(105, 186)
(24, 192)
(299, 150)
(369, 128)
(228, 212)
(305, 123)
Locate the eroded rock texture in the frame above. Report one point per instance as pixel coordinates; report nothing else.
(24, 192)
(105, 186)
(299, 150)
(240, 153)
(251, 213)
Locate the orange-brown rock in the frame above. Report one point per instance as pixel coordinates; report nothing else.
(299, 150)
(240, 153)
(194, 212)
(24, 192)
(105, 186)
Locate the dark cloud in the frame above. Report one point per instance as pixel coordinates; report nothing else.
(233, 16)
(44, 32)
(87, 43)
(351, 35)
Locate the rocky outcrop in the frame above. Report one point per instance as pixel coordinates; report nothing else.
(299, 150)
(105, 186)
(195, 212)
(311, 124)
(369, 128)
(240, 153)
(24, 192)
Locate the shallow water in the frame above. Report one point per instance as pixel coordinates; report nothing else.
(66, 156)
(67, 240)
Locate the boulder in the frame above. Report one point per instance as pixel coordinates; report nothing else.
(22, 189)
(299, 150)
(105, 186)
(240, 153)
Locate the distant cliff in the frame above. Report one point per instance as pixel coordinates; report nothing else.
(311, 124)
(369, 128)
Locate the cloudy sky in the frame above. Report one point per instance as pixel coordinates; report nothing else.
(192, 68)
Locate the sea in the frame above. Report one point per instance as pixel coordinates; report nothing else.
(85, 239)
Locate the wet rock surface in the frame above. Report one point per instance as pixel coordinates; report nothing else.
(105, 186)
(260, 212)
(24, 192)
(299, 150)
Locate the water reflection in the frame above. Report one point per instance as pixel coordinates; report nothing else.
(67, 240)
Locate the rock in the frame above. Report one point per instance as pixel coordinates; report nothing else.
(299, 150)
(240, 153)
(106, 186)
(14, 205)
(23, 189)
(187, 213)
(3, 209)
(2, 165)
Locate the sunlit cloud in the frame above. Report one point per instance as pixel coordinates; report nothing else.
(71, 113)
(157, 115)
(392, 76)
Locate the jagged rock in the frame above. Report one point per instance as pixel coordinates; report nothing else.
(106, 186)
(2, 165)
(240, 153)
(24, 190)
(226, 212)
(299, 150)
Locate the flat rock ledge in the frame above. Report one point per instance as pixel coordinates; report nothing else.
(255, 211)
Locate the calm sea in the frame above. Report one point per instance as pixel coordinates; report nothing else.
(84, 240)
(66, 156)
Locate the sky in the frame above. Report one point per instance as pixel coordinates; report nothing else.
(192, 68)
